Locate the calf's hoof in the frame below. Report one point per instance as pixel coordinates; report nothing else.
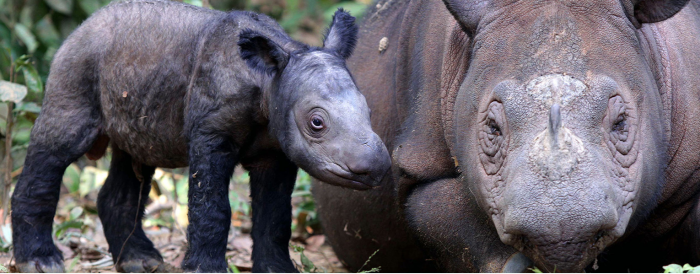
(38, 267)
(275, 267)
(146, 265)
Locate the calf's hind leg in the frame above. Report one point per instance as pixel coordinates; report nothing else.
(60, 136)
(122, 197)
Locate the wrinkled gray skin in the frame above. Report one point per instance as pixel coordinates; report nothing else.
(166, 84)
(559, 133)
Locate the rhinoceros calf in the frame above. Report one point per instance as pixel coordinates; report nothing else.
(171, 85)
(564, 133)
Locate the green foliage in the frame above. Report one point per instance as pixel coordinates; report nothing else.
(374, 269)
(11, 92)
(73, 222)
(306, 264)
(232, 268)
(72, 264)
(71, 178)
(307, 206)
(686, 268)
(6, 238)
(306, 20)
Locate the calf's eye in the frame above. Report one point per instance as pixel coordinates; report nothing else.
(316, 123)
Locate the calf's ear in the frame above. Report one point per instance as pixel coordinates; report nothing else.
(261, 53)
(342, 34)
(652, 11)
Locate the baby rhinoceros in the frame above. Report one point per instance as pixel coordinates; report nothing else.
(172, 85)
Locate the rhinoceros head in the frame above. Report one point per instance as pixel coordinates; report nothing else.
(558, 126)
(316, 111)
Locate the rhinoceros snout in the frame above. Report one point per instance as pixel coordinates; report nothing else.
(561, 232)
(370, 162)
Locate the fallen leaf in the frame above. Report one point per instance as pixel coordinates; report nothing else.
(243, 244)
(313, 243)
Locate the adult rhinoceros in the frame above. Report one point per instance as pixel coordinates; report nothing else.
(565, 132)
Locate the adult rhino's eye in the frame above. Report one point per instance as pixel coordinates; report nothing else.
(494, 129)
(492, 137)
(316, 123)
(620, 123)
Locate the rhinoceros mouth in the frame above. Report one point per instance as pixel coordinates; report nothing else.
(336, 175)
(571, 255)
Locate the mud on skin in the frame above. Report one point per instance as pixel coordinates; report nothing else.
(171, 85)
(553, 133)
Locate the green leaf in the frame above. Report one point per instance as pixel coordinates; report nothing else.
(32, 79)
(301, 193)
(67, 26)
(89, 6)
(47, 32)
(197, 3)
(673, 268)
(12, 92)
(71, 178)
(297, 248)
(26, 37)
(62, 227)
(182, 187)
(7, 233)
(62, 6)
(25, 16)
(75, 213)
(4, 269)
(377, 269)
(355, 9)
(27, 107)
(308, 264)
(234, 268)
(49, 53)
(72, 264)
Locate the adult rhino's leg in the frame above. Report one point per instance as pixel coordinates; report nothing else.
(65, 130)
(271, 184)
(212, 159)
(122, 197)
(454, 230)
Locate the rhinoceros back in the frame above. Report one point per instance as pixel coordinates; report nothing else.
(138, 57)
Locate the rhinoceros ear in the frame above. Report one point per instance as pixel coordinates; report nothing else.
(652, 11)
(261, 53)
(467, 12)
(342, 34)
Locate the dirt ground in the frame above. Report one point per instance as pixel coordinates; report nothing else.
(89, 254)
(85, 248)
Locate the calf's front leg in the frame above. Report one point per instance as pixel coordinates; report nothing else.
(271, 185)
(211, 160)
